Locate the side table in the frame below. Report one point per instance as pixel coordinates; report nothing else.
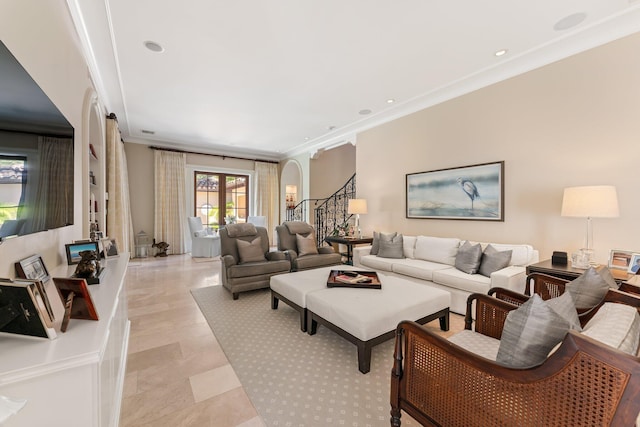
(349, 242)
(569, 273)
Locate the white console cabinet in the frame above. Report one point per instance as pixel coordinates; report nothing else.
(77, 378)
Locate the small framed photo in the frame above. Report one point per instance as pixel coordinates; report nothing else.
(32, 268)
(76, 298)
(634, 265)
(110, 248)
(619, 259)
(74, 249)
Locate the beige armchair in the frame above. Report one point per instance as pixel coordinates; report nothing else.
(246, 261)
(297, 239)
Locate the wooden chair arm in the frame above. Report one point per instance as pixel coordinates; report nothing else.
(544, 285)
(583, 383)
(490, 314)
(509, 296)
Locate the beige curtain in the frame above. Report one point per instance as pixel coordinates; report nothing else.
(119, 224)
(170, 200)
(267, 200)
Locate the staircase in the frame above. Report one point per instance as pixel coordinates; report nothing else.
(328, 213)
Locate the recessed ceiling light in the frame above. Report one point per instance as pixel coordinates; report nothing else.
(390, 101)
(364, 112)
(570, 21)
(148, 132)
(501, 52)
(153, 46)
(306, 138)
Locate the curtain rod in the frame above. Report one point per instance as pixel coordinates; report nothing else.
(175, 150)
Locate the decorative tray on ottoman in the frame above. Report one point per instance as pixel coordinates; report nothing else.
(353, 279)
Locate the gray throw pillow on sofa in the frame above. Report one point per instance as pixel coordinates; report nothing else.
(391, 246)
(529, 334)
(493, 260)
(468, 258)
(375, 244)
(250, 251)
(591, 287)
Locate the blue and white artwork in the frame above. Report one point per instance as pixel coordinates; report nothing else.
(469, 192)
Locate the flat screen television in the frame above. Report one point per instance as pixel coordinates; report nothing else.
(36, 155)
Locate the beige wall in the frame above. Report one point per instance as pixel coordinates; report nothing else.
(41, 36)
(574, 122)
(331, 170)
(140, 162)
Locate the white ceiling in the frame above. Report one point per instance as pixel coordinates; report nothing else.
(275, 79)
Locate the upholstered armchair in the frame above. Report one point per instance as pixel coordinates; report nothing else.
(247, 263)
(297, 239)
(203, 244)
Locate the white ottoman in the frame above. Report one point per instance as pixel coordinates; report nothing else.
(292, 288)
(367, 317)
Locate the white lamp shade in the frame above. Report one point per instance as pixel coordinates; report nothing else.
(357, 206)
(598, 201)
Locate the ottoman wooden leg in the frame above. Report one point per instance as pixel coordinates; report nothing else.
(364, 357)
(444, 322)
(274, 302)
(312, 325)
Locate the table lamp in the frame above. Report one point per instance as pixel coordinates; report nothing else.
(598, 201)
(357, 207)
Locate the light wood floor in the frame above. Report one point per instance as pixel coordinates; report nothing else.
(177, 374)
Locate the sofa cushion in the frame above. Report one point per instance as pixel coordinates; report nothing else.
(590, 287)
(409, 246)
(477, 343)
(457, 279)
(437, 249)
(375, 244)
(617, 325)
(493, 260)
(378, 263)
(564, 306)
(417, 268)
(529, 334)
(306, 245)
(520, 254)
(468, 258)
(391, 247)
(250, 251)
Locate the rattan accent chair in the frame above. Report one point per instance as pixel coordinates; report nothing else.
(583, 383)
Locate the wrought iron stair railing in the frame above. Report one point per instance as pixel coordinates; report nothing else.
(329, 213)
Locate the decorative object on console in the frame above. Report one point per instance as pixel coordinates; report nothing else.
(74, 293)
(357, 207)
(619, 259)
(24, 309)
(32, 268)
(634, 265)
(73, 251)
(559, 258)
(469, 192)
(597, 201)
(89, 266)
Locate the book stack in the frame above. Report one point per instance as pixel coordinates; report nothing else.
(25, 308)
(349, 278)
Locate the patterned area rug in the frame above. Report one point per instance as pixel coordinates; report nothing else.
(292, 378)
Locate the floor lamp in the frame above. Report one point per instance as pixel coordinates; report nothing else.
(357, 207)
(599, 201)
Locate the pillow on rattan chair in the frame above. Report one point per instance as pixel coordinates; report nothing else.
(591, 287)
(530, 332)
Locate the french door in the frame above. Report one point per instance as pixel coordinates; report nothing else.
(221, 198)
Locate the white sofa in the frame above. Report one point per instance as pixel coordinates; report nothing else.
(432, 260)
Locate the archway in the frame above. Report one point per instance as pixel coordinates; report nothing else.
(290, 187)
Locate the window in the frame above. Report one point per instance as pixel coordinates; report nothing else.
(12, 180)
(210, 196)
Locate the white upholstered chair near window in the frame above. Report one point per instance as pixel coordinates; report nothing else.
(203, 244)
(258, 221)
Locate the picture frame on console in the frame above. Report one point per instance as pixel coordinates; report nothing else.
(474, 192)
(32, 268)
(73, 250)
(620, 259)
(634, 265)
